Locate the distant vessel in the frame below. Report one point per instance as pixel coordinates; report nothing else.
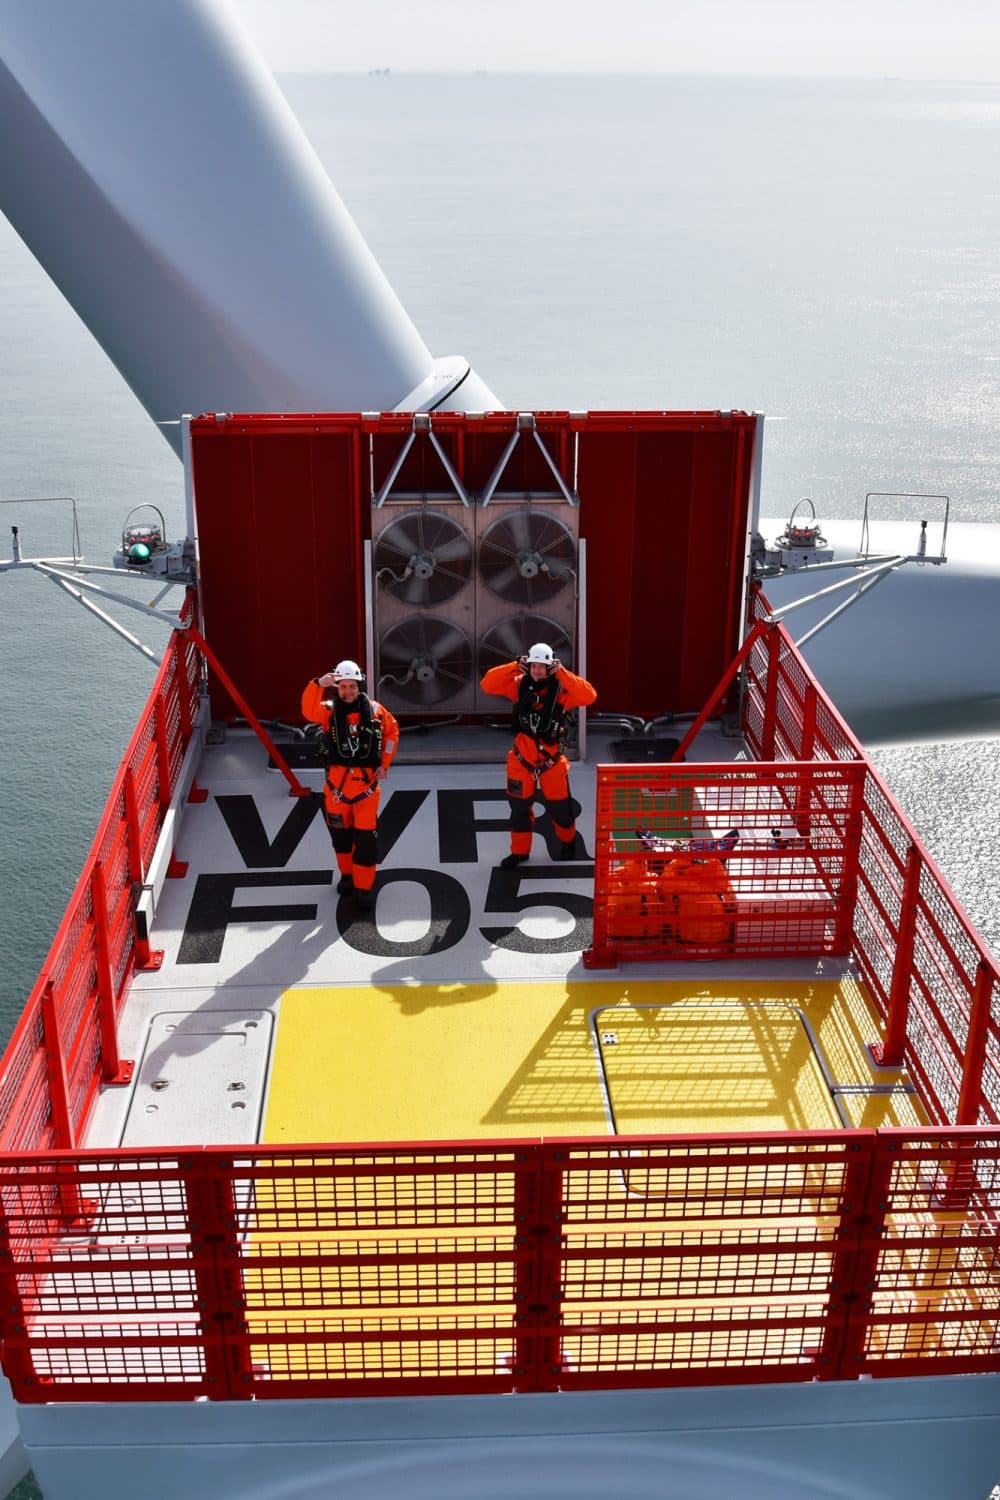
(664, 1171)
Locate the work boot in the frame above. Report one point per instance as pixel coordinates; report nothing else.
(345, 885)
(511, 861)
(364, 900)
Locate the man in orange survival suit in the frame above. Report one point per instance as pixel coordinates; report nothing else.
(359, 741)
(542, 691)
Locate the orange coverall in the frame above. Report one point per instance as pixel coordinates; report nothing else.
(351, 795)
(538, 766)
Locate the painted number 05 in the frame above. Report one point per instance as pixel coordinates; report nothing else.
(450, 913)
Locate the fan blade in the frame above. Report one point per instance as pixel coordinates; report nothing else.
(509, 638)
(459, 677)
(388, 554)
(558, 548)
(403, 639)
(452, 549)
(413, 590)
(494, 550)
(451, 575)
(506, 581)
(517, 526)
(433, 535)
(445, 640)
(404, 533)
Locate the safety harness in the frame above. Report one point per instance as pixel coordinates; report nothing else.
(538, 714)
(356, 747)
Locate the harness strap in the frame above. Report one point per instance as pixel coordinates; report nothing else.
(540, 768)
(338, 791)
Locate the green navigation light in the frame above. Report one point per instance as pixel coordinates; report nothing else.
(139, 553)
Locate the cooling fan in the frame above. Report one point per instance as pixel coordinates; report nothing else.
(423, 558)
(526, 556)
(510, 638)
(423, 661)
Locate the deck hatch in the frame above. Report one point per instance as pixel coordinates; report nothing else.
(710, 1064)
(201, 1079)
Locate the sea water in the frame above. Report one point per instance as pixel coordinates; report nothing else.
(823, 251)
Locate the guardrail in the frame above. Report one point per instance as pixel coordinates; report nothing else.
(500, 1266)
(847, 874)
(65, 1043)
(930, 975)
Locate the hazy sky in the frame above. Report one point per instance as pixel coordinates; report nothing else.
(946, 39)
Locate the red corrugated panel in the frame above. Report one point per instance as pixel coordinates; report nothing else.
(280, 537)
(664, 509)
(283, 507)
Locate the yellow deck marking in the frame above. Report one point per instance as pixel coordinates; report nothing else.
(446, 1062)
(443, 1062)
(434, 1062)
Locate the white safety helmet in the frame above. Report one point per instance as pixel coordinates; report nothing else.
(541, 653)
(349, 669)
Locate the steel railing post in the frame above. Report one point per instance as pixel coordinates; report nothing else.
(113, 1069)
(17, 1362)
(182, 686)
(537, 1269)
(971, 1094)
(60, 1111)
(847, 899)
(854, 1269)
(162, 753)
(133, 828)
(801, 809)
(216, 1264)
(889, 1053)
(55, 1065)
(768, 734)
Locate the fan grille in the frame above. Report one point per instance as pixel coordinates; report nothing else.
(527, 556)
(423, 558)
(424, 661)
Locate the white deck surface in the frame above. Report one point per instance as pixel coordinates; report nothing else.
(199, 1027)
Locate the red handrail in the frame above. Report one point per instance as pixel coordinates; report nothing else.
(488, 1266)
(909, 925)
(74, 1005)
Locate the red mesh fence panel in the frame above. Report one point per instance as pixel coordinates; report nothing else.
(33, 1063)
(500, 1266)
(713, 860)
(801, 718)
(24, 1095)
(915, 947)
(702, 1260)
(932, 1242)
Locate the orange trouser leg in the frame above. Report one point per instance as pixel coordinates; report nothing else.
(520, 795)
(554, 787)
(340, 833)
(365, 844)
(352, 828)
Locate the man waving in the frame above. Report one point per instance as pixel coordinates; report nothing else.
(359, 740)
(543, 692)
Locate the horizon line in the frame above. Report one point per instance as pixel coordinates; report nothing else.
(409, 70)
